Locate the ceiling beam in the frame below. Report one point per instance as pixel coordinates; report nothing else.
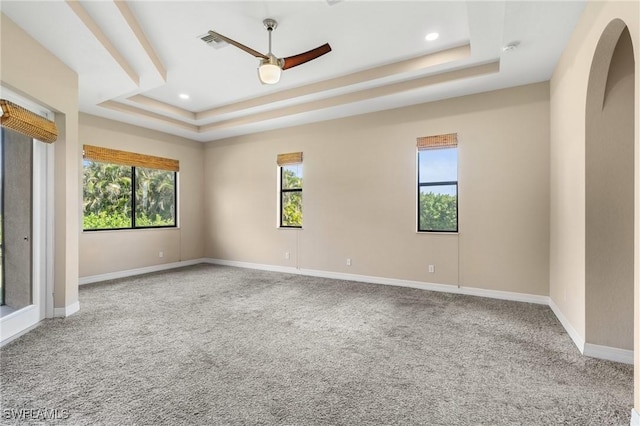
(162, 107)
(408, 65)
(133, 23)
(144, 114)
(103, 39)
(334, 101)
(376, 92)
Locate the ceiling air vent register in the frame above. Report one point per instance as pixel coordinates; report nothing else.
(213, 41)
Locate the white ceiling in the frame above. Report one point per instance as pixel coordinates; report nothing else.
(134, 58)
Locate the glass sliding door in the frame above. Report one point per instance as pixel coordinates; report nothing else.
(17, 214)
(26, 227)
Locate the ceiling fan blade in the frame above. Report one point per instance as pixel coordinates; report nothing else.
(294, 61)
(239, 45)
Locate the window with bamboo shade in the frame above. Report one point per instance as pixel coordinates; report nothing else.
(22, 120)
(126, 190)
(290, 175)
(438, 183)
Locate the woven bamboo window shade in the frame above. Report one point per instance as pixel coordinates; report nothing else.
(290, 158)
(30, 124)
(449, 140)
(107, 155)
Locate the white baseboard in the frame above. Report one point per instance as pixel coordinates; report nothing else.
(635, 418)
(595, 351)
(446, 288)
(138, 271)
(607, 352)
(67, 310)
(505, 295)
(589, 349)
(572, 332)
(249, 265)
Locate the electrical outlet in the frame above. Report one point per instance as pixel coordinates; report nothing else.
(432, 268)
(348, 262)
(287, 255)
(161, 254)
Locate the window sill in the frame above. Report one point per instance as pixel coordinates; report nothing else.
(437, 233)
(102, 231)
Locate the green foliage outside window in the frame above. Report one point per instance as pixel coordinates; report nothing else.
(438, 189)
(107, 196)
(438, 212)
(291, 200)
(155, 197)
(292, 209)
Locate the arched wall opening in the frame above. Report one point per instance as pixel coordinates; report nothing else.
(609, 156)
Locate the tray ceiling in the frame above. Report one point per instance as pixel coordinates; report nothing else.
(134, 59)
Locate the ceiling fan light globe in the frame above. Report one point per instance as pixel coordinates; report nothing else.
(269, 73)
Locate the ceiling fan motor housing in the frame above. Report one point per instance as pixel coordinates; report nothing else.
(273, 60)
(270, 24)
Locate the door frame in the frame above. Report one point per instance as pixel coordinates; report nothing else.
(23, 320)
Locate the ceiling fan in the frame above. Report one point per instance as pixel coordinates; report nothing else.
(271, 66)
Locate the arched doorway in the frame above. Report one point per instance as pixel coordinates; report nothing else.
(609, 169)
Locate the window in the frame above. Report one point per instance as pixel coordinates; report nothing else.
(438, 183)
(290, 168)
(124, 190)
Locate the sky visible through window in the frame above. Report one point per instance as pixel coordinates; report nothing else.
(296, 171)
(439, 165)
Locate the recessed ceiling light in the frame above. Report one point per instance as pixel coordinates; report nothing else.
(432, 36)
(183, 96)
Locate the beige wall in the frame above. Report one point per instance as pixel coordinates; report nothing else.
(31, 70)
(111, 251)
(609, 200)
(568, 194)
(360, 194)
